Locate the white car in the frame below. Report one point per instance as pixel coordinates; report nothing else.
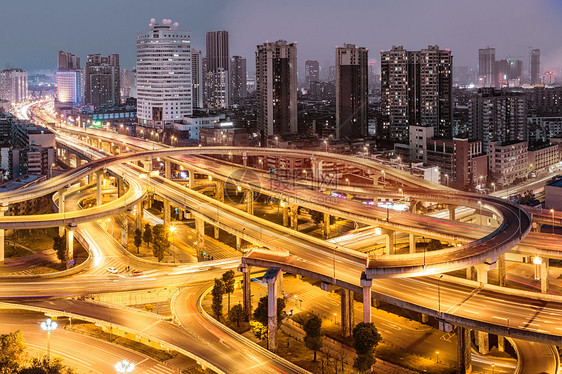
(112, 270)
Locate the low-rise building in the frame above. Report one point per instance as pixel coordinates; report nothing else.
(541, 159)
(508, 162)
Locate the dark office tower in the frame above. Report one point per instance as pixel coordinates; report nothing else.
(276, 85)
(102, 78)
(311, 72)
(197, 78)
(487, 74)
(535, 66)
(509, 72)
(216, 74)
(237, 79)
(351, 91)
(416, 89)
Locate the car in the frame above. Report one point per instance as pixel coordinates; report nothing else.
(112, 270)
(136, 273)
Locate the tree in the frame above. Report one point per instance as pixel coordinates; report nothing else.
(434, 245)
(217, 292)
(236, 314)
(12, 347)
(228, 279)
(59, 245)
(138, 238)
(161, 242)
(45, 366)
(365, 340)
(260, 314)
(259, 330)
(147, 235)
(313, 337)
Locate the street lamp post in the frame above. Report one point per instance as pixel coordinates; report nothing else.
(494, 186)
(326, 145)
(447, 178)
(124, 366)
(49, 325)
(437, 357)
(347, 181)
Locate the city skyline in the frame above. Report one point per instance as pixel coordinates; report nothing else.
(378, 26)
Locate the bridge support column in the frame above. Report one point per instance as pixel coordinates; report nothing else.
(99, 185)
(246, 289)
(219, 194)
(3, 210)
(327, 227)
(412, 243)
(464, 365)
(70, 241)
(295, 217)
(167, 169)
(389, 236)
(285, 213)
(238, 243)
(244, 160)
(216, 232)
(62, 205)
(452, 215)
(167, 212)
(120, 187)
(249, 198)
(346, 312)
(424, 318)
(124, 230)
(149, 164)
(545, 285)
(482, 273)
(502, 271)
(366, 284)
(483, 342)
(200, 229)
(272, 277)
(191, 181)
(140, 212)
(501, 343)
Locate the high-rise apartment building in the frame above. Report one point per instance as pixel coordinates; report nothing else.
(311, 72)
(216, 74)
(13, 85)
(70, 79)
(535, 66)
(127, 84)
(351, 91)
(102, 81)
(416, 88)
(164, 92)
(197, 78)
(276, 85)
(509, 72)
(237, 79)
(487, 74)
(497, 115)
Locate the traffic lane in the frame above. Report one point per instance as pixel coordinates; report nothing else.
(85, 353)
(536, 358)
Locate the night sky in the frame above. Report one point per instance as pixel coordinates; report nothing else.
(32, 31)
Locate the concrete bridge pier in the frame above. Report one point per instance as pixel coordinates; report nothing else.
(249, 199)
(99, 186)
(3, 210)
(167, 169)
(541, 272)
(412, 243)
(120, 186)
(366, 284)
(200, 229)
(191, 182)
(272, 277)
(244, 159)
(285, 213)
(327, 226)
(238, 243)
(346, 312)
(70, 241)
(167, 212)
(483, 342)
(452, 211)
(124, 230)
(389, 236)
(502, 270)
(149, 164)
(501, 343)
(140, 212)
(464, 365)
(219, 192)
(482, 273)
(246, 290)
(216, 232)
(62, 202)
(295, 217)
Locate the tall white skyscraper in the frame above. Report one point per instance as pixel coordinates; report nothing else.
(164, 90)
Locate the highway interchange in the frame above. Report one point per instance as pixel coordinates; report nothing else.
(524, 313)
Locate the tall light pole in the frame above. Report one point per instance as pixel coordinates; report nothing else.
(447, 178)
(552, 212)
(326, 145)
(124, 366)
(494, 186)
(49, 325)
